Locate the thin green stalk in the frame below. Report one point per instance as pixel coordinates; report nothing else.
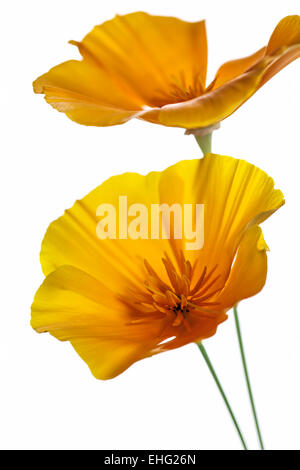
(204, 142)
(213, 373)
(239, 335)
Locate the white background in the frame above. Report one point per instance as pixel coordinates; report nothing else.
(49, 399)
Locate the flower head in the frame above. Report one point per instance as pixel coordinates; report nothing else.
(120, 298)
(154, 68)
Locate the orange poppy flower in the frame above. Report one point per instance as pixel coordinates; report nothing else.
(154, 68)
(121, 299)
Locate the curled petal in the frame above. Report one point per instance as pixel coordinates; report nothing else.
(248, 274)
(212, 106)
(286, 33)
(234, 68)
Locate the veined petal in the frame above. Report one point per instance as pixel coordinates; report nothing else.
(120, 300)
(149, 54)
(154, 68)
(235, 195)
(72, 239)
(74, 306)
(67, 291)
(211, 107)
(87, 94)
(248, 274)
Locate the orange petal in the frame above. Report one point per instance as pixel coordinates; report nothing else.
(149, 54)
(235, 82)
(198, 329)
(72, 239)
(281, 61)
(211, 107)
(75, 307)
(232, 69)
(286, 33)
(249, 272)
(86, 94)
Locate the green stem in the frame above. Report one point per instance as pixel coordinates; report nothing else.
(204, 142)
(213, 373)
(239, 335)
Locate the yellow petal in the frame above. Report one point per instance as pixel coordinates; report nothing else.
(109, 358)
(74, 306)
(87, 94)
(235, 195)
(249, 271)
(73, 239)
(71, 299)
(101, 295)
(149, 54)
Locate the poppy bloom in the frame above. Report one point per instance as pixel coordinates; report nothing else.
(154, 68)
(120, 299)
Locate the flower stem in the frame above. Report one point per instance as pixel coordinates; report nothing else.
(213, 373)
(204, 142)
(239, 335)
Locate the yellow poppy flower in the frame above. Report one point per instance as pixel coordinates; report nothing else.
(154, 68)
(119, 300)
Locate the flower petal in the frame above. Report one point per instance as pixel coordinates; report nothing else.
(75, 307)
(248, 274)
(286, 33)
(233, 68)
(73, 239)
(235, 82)
(109, 358)
(95, 294)
(148, 54)
(87, 94)
(235, 195)
(280, 61)
(211, 107)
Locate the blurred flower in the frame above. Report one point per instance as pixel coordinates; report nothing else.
(121, 300)
(154, 68)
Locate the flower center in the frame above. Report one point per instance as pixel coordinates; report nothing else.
(180, 296)
(178, 91)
